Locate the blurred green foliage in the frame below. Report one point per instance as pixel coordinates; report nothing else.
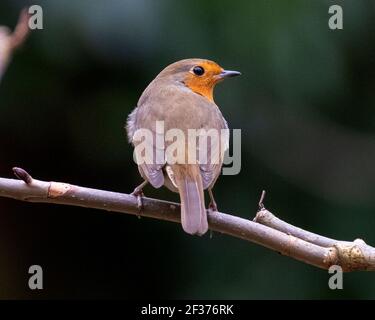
(305, 105)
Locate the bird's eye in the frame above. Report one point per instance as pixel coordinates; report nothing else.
(198, 71)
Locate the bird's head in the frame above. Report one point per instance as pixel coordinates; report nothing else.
(199, 75)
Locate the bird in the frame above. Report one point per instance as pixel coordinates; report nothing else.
(181, 97)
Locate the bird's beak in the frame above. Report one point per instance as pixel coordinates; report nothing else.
(229, 74)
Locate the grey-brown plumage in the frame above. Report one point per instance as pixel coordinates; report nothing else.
(182, 100)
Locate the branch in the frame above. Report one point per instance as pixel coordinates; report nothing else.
(267, 230)
(11, 41)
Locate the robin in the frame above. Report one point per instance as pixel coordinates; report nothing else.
(181, 97)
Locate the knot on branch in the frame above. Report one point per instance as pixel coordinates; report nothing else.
(263, 216)
(58, 189)
(351, 256)
(23, 175)
(51, 189)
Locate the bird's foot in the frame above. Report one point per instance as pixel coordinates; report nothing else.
(213, 206)
(138, 193)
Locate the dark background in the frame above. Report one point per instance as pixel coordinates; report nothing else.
(305, 104)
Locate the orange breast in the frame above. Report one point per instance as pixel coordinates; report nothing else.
(205, 84)
(202, 88)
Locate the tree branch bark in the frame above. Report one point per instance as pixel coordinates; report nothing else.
(265, 230)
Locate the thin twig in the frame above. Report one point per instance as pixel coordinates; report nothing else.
(266, 218)
(349, 255)
(260, 203)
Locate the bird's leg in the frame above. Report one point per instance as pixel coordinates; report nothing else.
(212, 205)
(138, 192)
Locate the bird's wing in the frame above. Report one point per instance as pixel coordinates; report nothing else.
(212, 130)
(146, 152)
(216, 147)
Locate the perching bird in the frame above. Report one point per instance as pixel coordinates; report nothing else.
(182, 97)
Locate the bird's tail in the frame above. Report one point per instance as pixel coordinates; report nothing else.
(190, 187)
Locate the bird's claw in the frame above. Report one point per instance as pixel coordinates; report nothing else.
(213, 206)
(138, 193)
